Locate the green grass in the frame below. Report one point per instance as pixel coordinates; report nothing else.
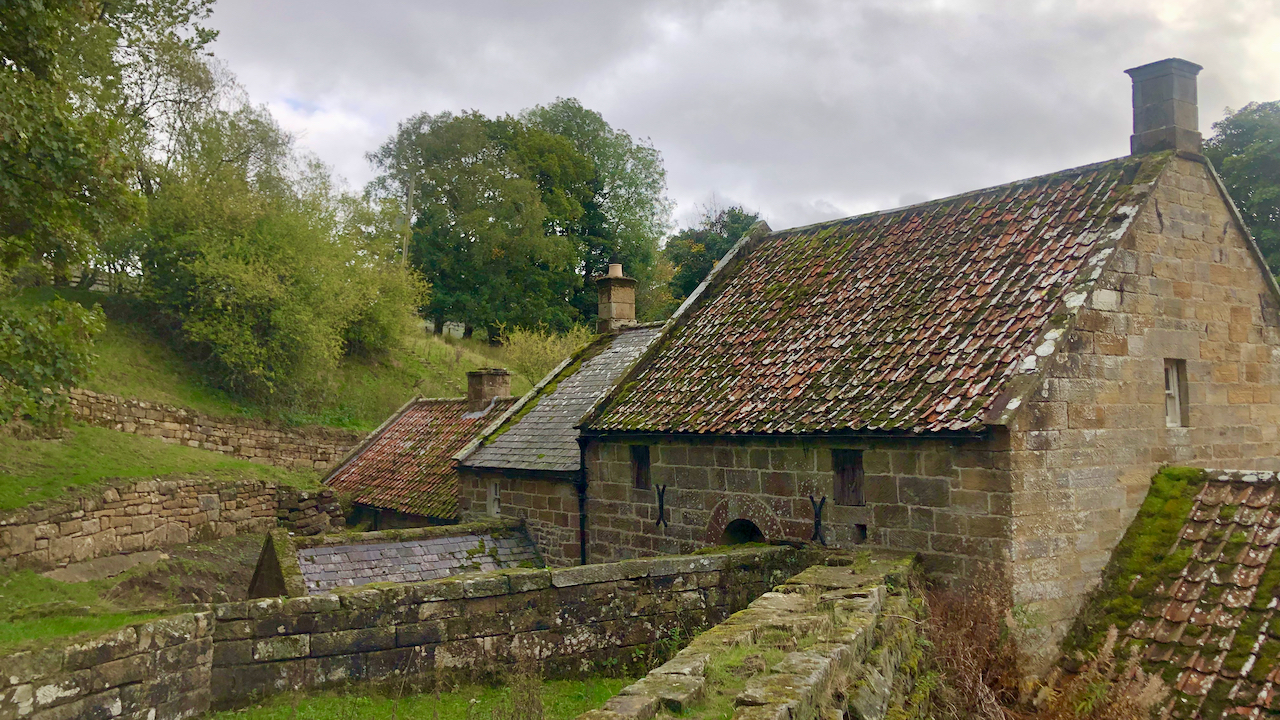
(134, 363)
(36, 610)
(35, 470)
(561, 700)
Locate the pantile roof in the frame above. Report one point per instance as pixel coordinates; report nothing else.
(407, 465)
(911, 320)
(1203, 613)
(541, 435)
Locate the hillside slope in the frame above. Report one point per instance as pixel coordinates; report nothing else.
(134, 363)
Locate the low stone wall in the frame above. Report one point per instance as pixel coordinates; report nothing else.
(306, 447)
(566, 620)
(158, 670)
(154, 514)
(834, 641)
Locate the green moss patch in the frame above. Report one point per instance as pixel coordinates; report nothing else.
(1144, 558)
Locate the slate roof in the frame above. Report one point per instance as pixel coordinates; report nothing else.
(541, 434)
(330, 566)
(1211, 627)
(407, 464)
(910, 320)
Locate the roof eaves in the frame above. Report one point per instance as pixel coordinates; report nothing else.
(718, 274)
(1074, 298)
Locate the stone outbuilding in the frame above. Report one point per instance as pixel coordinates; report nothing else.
(989, 379)
(402, 474)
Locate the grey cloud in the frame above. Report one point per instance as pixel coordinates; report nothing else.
(804, 110)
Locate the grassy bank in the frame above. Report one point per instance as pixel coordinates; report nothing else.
(34, 610)
(136, 363)
(561, 700)
(84, 457)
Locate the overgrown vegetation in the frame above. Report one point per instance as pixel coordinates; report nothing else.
(82, 457)
(44, 351)
(523, 698)
(534, 353)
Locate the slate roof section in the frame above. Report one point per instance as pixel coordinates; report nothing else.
(541, 435)
(1212, 629)
(407, 465)
(330, 566)
(910, 320)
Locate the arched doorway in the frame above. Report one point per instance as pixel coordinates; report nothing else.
(741, 531)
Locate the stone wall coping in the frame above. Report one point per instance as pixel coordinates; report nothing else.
(1244, 476)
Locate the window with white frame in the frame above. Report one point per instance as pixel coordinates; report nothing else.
(495, 498)
(1176, 410)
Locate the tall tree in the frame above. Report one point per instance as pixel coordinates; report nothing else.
(1245, 148)
(493, 203)
(693, 251)
(629, 213)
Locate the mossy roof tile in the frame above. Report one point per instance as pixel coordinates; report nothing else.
(407, 466)
(910, 320)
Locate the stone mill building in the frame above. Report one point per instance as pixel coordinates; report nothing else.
(985, 379)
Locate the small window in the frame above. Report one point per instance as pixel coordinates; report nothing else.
(1176, 410)
(847, 465)
(495, 498)
(640, 467)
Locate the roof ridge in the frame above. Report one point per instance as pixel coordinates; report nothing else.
(950, 198)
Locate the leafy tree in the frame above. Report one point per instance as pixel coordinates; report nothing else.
(1245, 148)
(494, 203)
(629, 213)
(693, 251)
(62, 170)
(44, 351)
(253, 258)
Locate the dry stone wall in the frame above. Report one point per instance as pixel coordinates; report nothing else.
(308, 447)
(155, 670)
(154, 514)
(566, 619)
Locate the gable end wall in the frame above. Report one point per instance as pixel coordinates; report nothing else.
(1183, 284)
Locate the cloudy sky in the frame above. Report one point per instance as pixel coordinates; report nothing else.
(802, 110)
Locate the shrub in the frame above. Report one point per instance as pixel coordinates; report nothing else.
(534, 353)
(44, 351)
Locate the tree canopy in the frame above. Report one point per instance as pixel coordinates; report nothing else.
(1245, 148)
(513, 216)
(693, 251)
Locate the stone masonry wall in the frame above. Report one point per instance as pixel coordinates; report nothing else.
(153, 514)
(310, 447)
(548, 507)
(1182, 285)
(566, 619)
(935, 497)
(156, 670)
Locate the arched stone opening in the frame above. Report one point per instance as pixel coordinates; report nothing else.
(741, 531)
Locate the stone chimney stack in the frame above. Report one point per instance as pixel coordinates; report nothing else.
(486, 384)
(617, 307)
(1165, 114)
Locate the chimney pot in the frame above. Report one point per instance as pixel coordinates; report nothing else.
(1165, 111)
(617, 306)
(484, 385)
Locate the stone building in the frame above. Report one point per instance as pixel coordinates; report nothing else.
(402, 474)
(989, 378)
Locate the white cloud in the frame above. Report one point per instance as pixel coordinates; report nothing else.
(799, 108)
